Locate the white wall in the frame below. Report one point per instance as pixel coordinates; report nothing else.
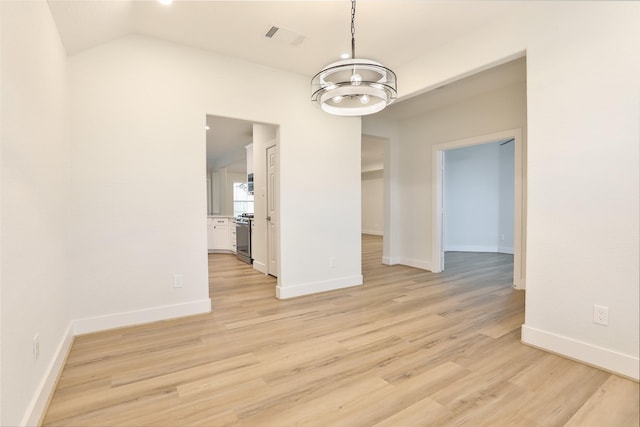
(506, 191)
(139, 107)
(471, 198)
(583, 177)
(584, 183)
(128, 192)
(35, 136)
(320, 190)
(373, 202)
(485, 114)
(478, 198)
(138, 185)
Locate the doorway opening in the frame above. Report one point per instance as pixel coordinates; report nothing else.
(373, 194)
(514, 235)
(242, 196)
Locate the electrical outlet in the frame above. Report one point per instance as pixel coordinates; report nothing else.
(177, 280)
(601, 315)
(332, 261)
(36, 346)
(502, 237)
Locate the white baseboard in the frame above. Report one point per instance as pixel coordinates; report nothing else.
(130, 318)
(505, 249)
(260, 266)
(372, 232)
(44, 391)
(609, 360)
(416, 263)
(471, 248)
(390, 260)
(284, 292)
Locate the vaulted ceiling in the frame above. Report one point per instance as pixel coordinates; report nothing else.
(391, 31)
(312, 34)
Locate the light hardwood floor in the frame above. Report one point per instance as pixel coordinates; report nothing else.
(409, 348)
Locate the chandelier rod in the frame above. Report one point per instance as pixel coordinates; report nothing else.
(353, 29)
(353, 87)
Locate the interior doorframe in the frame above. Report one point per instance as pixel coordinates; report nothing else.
(519, 212)
(276, 195)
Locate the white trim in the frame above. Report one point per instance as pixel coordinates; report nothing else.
(437, 209)
(136, 317)
(372, 232)
(390, 260)
(437, 155)
(284, 292)
(519, 212)
(374, 168)
(44, 392)
(471, 248)
(415, 263)
(612, 361)
(260, 266)
(494, 249)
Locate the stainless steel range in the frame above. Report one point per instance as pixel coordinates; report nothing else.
(243, 238)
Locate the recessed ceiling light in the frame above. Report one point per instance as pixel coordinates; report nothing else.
(207, 127)
(345, 56)
(165, 2)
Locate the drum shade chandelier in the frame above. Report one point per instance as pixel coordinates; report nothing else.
(354, 87)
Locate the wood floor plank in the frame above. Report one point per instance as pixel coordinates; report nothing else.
(409, 348)
(420, 413)
(614, 403)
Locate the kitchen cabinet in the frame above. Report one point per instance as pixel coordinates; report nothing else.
(218, 236)
(232, 236)
(252, 235)
(210, 229)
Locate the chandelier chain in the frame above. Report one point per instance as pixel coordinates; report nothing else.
(353, 29)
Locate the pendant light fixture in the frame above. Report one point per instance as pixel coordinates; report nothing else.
(354, 87)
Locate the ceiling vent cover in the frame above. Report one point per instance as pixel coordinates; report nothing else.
(284, 36)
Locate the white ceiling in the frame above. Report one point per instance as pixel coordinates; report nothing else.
(226, 141)
(391, 31)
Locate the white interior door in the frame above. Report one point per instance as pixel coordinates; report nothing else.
(272, 210)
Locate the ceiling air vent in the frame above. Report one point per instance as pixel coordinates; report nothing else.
(284, 36)
(271, 32)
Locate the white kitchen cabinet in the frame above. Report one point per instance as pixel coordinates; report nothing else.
(252, 235)
(218, 234)
(232, 236)
(210, 229)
